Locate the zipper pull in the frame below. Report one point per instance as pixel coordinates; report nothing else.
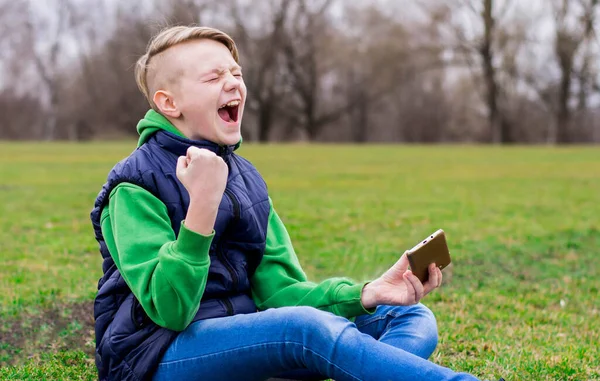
(223, 152)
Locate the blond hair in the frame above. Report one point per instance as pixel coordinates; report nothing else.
(173, 36)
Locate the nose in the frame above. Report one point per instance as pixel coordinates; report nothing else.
(232, 83)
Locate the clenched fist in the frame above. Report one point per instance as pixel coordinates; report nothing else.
(204, 176)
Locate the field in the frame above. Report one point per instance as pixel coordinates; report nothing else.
(522, 300)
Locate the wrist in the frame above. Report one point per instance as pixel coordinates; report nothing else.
(368, 296)
(207, 200)
(201, 217)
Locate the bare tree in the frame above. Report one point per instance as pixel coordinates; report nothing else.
(499, 127)
(378, 61)
(17, 112)
(46, 56)
(569, 40)
(479, 42)
(104, 96)
(12, 17)
(307, 30)
(261, 43)
(499, 134)
(338, 72)
(21, 113)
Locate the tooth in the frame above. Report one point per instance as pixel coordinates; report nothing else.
(231, 104)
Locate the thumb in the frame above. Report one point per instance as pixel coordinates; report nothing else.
(396, 272)
(402, 264)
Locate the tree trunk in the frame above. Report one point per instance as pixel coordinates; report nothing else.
(489, 72)
(311, 127)
(566, 51)
(265, 122)
(50, 123)
(360, 120)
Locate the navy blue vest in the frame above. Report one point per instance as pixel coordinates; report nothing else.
(129, 345)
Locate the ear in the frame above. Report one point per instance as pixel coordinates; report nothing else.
(166, 104)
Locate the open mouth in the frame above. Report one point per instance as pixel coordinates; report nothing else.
(229, 111)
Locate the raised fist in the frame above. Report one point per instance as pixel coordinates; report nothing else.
(203, 174)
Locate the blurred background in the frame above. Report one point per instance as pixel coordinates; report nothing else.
(488, 71)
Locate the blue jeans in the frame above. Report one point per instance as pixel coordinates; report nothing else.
(309, 344)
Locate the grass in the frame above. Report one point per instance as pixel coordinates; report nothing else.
(523, 225)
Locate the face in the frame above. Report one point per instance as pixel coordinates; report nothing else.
(210, 95)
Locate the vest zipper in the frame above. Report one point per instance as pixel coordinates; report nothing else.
(236, 217)
(234, 278)
(235, 203)
(221, 254)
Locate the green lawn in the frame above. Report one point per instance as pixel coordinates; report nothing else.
(523, 225)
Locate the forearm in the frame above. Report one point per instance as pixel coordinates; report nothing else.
(172, 290)
(280, 281)
(201, 217)
(336, 295)
(179, 280)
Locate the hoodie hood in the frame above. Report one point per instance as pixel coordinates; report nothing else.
(154, 122)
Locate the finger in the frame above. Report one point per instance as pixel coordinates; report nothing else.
(193, 152)
(181, 165)
(440, 275)
(411, 293)
(433, 281)
(182, 162)
(417, 285)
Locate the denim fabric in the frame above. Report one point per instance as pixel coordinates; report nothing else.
(305, 343)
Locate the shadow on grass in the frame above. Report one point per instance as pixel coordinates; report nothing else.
(60, 327)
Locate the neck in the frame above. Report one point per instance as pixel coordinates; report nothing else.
(182, 126)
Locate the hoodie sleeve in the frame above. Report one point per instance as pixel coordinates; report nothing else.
(166, 274)
(280, 281)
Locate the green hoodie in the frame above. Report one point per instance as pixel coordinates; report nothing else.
(168, 274)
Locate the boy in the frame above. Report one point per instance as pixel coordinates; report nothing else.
(201, 281)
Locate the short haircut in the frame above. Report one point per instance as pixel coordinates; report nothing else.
(170, 37)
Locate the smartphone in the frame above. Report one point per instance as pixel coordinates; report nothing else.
(432, 249)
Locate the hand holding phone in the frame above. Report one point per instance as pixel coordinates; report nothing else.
(399, 287)
(432, 249)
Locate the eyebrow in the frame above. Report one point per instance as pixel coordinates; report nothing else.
(221, 70)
